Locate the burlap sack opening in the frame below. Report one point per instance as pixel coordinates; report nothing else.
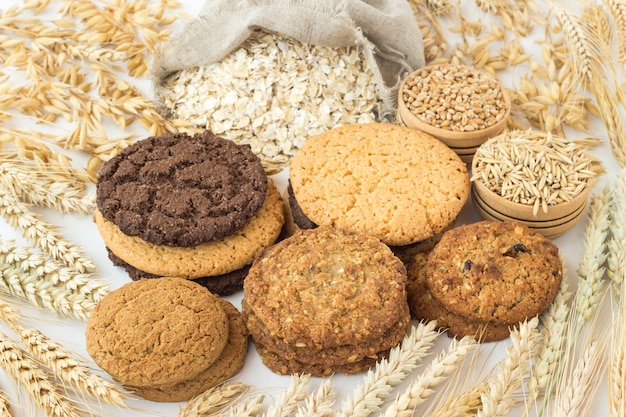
(385, 29)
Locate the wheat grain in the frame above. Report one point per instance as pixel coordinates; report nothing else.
(320, 404)
(616, 259)
(213, 400)
(422, 386)
(69, 369)
(5, 409)
(44, 394)
(378, 383)
(617, 10)
(248, 408)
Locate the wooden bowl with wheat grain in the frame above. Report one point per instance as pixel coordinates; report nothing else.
(457, 104)
(549, 206)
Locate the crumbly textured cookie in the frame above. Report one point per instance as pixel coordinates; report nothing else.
(326, 287)
(157, 332)
(227, 365)
(329, 356)
(424, 307)
(299, 218)
(212, 258)
(283, 366)
(396, 183)
(181, 190)
(222, 285)
(491, 271)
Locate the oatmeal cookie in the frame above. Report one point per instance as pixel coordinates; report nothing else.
(492, 271)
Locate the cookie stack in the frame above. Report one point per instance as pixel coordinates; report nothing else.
(325, 300)
(168, 339)
(483, 279)
(398, 184)
(198, 207)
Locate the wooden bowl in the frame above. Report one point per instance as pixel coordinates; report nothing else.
(454, 139)
(558, 219)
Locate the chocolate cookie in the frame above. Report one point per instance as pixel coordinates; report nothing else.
(157, 332)
(491, 271)
(181, 190)
(395, 183)
(228, 364)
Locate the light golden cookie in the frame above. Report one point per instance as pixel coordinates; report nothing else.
(207, 259)
(393, 182)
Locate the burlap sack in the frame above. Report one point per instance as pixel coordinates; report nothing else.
(385, 29)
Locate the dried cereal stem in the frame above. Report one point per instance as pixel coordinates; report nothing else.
(41, 390)
(377, 384)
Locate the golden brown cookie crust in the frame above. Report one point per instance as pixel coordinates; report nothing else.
(399, 184)
(326, 287)
(227, 365)
(208, 259)
(153, 332)
(491, 271)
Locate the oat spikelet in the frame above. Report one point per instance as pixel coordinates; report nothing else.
(287, 402)
(377, 384)
(422, 386)
(498, 397)
(213, 400)
(5, 409)
(28, 374)
(319, 404)
(47, 283)
(71, 371)
(43, 234)
(616, 262)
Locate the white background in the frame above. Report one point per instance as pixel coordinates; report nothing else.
(82, 231)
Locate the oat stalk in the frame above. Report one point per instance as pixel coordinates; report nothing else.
(377, 384)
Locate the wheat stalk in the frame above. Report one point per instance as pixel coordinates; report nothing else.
(617, 360)
(213, 400)
(42, 391)
(616, 261)
(422, 386)
(47, 283)
(248, 408)
(617, 10)
(288, 401)
(497, 398)
(5, 409)
(378, 383)
(319, 404)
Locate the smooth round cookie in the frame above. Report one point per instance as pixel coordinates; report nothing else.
(396, 183)
(228, 364)
(157, 332)
(207, 259)
(424, 307)
(181, 190)
(327, 287)
(492, 271)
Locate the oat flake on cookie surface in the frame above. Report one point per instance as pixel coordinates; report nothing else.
(272, 93)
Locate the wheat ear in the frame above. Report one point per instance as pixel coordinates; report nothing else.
(43, 234)
(46, 283)
(68, 369)
(213, 400)
(320, 403)
(422, 386)
(617, 10)
(616, 261)
(248, 408)
(497, 398)
(5, 408)
(287, 402)
(378, 383)
(617, 360)
(42, 391)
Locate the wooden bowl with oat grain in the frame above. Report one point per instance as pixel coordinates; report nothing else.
(533, 178)
(457, 104)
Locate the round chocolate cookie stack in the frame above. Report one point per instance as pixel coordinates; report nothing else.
(483, 279)
(198, 207)
(325, 300)
(398, 184)
(168, 339)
